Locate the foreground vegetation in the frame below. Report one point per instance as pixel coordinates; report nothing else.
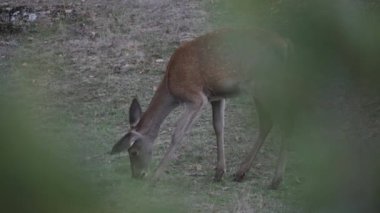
(66, 82)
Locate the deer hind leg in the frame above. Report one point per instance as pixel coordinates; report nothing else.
(280, 166)
(283, 155)
(265, 125)
(183, 126)
(218, 123)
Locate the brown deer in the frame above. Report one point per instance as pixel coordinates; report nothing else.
(209, 68)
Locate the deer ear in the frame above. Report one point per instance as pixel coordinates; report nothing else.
(134, 112)
(123, 144)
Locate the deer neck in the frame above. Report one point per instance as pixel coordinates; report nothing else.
(159, 108)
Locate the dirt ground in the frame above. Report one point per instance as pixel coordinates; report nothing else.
(84, 61)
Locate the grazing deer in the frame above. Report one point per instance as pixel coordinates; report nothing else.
(209, 68)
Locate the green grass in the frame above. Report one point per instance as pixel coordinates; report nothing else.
(65, 84)
(86, 131)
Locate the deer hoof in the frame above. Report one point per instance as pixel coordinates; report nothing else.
(275, 183)
(219, 175)
(239, 176)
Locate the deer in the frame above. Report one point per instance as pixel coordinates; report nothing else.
(208, 69)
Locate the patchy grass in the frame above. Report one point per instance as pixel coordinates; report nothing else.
(79, 77)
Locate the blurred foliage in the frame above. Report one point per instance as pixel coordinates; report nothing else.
(33, 177)
(40, 171)
(42, 161)
(336, 64)
(337, 44)
(325, 32)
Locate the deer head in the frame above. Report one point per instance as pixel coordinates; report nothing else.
(138, 145)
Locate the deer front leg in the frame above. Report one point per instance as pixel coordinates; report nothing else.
(218, 123)
(192, 111)
(265, 125)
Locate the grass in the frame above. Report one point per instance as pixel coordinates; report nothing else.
(79, 76)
